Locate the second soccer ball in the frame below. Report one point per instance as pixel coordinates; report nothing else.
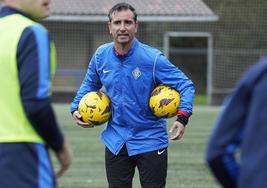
(164, 101)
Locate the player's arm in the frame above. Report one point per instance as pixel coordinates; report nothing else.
(226, 137)
(35, 81)
(224, 143)
(33, 57)
(167, 73)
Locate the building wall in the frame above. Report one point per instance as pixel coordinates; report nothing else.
(76, 43)
(239, 40)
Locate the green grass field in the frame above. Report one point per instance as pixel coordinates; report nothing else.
(186, 168)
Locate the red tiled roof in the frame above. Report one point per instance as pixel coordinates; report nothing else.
(144, 8)
(147, 10)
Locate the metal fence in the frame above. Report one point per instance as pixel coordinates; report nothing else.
(238, 40)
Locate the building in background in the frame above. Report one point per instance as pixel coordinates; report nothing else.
(212, 41)
(80, 26)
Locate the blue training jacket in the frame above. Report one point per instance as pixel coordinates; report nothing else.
(129, 80)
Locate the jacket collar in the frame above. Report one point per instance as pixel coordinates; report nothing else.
(130, 51)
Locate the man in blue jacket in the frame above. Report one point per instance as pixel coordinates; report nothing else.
(129, 71)
(28, 127)
(236, 151)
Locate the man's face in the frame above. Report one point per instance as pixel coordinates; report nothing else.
(37, 9)
(123, 27)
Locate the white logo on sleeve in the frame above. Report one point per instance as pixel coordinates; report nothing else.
(106, 71)
(160, 152)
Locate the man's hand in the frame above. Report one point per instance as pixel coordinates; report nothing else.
(64, 157)
(177, 131)
(78, 119)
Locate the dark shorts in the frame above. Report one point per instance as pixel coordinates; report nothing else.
(152, 167)
(25, 165)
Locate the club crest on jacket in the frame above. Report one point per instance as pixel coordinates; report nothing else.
(136, 73)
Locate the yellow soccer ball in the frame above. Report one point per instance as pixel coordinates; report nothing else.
(95, 108)
(164, 101)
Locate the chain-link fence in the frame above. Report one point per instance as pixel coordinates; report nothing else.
(214, 57)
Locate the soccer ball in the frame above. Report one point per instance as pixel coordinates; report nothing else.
(95, 108)
(164, 101)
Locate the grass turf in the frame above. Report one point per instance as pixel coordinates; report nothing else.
(186, 157)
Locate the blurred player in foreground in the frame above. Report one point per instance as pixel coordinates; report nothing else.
(236, 152)
(129, 71)
(27, 125)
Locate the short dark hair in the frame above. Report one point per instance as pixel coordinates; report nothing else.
(119, 7)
